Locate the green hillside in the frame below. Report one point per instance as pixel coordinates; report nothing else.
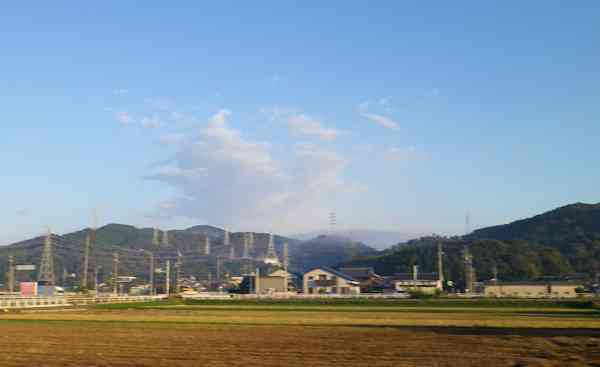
(563, 241)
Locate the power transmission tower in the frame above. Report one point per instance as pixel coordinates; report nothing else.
(246, 246)
(155, 236)
(178, 271)
(271, 256)
(207, 245)
(165, 239)
(332, 222)
(251, 240)
(219, 265)
(115, 273)
(231, 251)
(286, 257)
(11, 274)
(47, 264)
(440, 261)
(151, 272)
(226, 238)
(168, 278)
(286, 264)
(86, 262)
(96, 270)
(469, 271)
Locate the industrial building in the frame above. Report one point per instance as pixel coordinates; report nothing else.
(428, 283)
(534, 289)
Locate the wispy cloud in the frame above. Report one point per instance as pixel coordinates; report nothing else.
(124, 117)
(120, 92)
(151, 122)
(382, 121)
(305, 125)
(402, 154)
(300, 123)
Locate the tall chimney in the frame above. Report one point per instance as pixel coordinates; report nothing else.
(415, 272)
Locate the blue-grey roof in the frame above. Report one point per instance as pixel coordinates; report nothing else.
(337, 273)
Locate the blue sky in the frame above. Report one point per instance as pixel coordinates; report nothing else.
(399, 116)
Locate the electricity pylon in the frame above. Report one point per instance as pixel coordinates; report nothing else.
(46, 274)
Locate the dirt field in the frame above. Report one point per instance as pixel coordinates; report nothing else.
(209, 336)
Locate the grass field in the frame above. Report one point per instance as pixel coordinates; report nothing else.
(251, 333)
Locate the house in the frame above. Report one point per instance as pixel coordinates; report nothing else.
(429, 283)
(292, 278)
(370, 282)
(263, 284)
(326, 280)
(534, 289)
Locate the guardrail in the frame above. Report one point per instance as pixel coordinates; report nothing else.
(12, 302)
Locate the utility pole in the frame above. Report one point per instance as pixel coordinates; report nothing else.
(115, 273)
(96, 270)
(178, 272)
(219, 261)
(46, 274)
(11, 274)
(151, 274)
(86, 261)
(440, 261)
(257, 282)
(168, 278)
(286, 264)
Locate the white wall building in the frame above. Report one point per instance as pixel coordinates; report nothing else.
(325, 280)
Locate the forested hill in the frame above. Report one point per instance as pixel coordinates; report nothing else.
(563, 241)
(562, 226)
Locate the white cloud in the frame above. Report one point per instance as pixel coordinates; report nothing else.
(23, 212)
(151, 122)
(408, 153)
(160, 103)
(172, 139)
(120, 92)
(225, 178)
(299, 123)
(305, 125)
(124, 117)
(381, 121)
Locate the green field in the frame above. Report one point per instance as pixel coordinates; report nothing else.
(306, 333)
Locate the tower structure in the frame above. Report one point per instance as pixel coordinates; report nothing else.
(151, 272)
(226, 238)
(286, 264)
(155, 236)
(470, 276)
(86, 261)
(246, 246)
(115, 274)
(46, 275)
(168, 278)
(231, 251)
(271, 256)
(207, 245)
(440, 262)
(332, 222)
(11, 274)
(178, 272)
(165, 238)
